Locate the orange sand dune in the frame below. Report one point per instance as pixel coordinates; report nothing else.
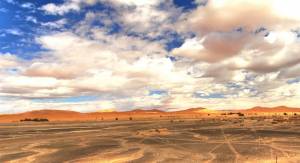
(64, 115)
(191, 110)
(152, 111)
(59, 115)
(197, 111)
(278, 109)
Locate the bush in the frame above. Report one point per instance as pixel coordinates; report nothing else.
(117, 118)
(241, 114)
(130, 118)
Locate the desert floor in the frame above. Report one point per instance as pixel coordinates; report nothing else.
(198, 140)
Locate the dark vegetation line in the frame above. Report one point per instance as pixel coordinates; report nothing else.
(35, 120)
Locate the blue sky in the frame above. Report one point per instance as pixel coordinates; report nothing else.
(172, 54)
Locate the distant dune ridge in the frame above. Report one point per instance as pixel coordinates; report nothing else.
(191, 110)
(273, 109)
(153, 111)
(65, 115)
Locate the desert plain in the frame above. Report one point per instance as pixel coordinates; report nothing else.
(152, 136)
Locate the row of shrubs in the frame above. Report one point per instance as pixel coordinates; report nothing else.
(239, 114)
(35, 120)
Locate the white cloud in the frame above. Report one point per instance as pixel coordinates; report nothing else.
(213, 47)
(51, 8)
(144, 17)
(55, 24)
(67, 6)
(14, 31)
(226, 15)
(230, 45)
(31, 19)
(290, 72)
(8, 60)
(136, 3)
(102, 68)
(28, 5)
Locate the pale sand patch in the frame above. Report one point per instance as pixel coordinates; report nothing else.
(31, 158)
(112, 158)
(154, 132)
(201, 137)
(279, 159)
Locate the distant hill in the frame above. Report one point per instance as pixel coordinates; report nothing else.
(51, 113)
(153, 111)
(58, 115)
(64, 115)
(195, 110)
(259, 109)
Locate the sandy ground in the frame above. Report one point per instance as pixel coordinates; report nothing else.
(250, 140)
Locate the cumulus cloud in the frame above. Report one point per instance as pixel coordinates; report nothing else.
(53, 70)
(264, 43)
(139, 17)
(103, 68)
(290, 72)
(69, 5)
(213, 47)
(225, 15)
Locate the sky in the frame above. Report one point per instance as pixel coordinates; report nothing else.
(93, 55)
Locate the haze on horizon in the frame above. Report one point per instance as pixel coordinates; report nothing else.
(88, 55)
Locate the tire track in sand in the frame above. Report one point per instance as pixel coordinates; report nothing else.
(231, 147)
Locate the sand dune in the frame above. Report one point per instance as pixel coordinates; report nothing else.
(152, 111)
(277, 109)
(64, 115)
(191, 110)
(59, 115)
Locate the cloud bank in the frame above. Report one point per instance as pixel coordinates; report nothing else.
(231, 55)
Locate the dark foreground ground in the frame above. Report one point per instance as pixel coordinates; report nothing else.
(210, 140)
